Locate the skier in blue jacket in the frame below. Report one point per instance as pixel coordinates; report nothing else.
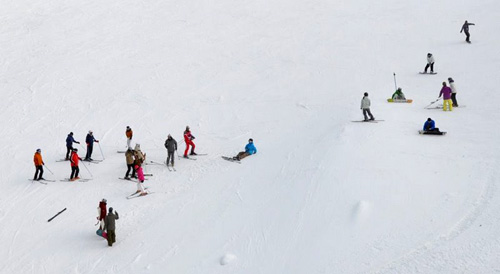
(90, 145)
(69, 144)
(249, 150)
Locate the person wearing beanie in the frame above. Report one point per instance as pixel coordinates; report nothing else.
(249, 150)
(398, 95)
(188, 138)
(430, 63)
(37, 159)
(171, 146)
(139, 157)
(109, 226)
(74, 165)
(129, 133)
(101, 212)
(69, 144)
(453, 92)
(89, 140)
(430, 125)
(365, 106)
(140, 177)
(465, 29)
(129, 158)
(446, 92)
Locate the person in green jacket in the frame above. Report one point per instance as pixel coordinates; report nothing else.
(398, 95)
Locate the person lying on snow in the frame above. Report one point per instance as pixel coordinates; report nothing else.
(249, 150)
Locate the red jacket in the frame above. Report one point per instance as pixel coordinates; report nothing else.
(102, 206)
(74, 159)
(187, 136)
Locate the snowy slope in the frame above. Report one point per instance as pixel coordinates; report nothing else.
(323, 194)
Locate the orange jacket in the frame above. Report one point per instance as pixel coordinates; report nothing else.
(74, 159)
(38, 159)
(128, 133)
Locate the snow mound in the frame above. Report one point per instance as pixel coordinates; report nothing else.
(227, 259)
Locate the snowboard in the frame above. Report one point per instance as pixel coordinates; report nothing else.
(368, 121)
(432, 132)
(390, 100)
(431, 73)
(230, 159)
(102, 233)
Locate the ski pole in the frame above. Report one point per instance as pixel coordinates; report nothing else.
(88, 170)
(49, 169)
(178, 157)
(101, 151)
(395, 85)
(433, 102)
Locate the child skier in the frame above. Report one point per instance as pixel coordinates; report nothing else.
(140, 176)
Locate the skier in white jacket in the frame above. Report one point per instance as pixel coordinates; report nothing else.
(365, 106)
(430, 63)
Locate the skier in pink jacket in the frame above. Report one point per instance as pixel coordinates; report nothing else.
(140, 177)
(446, 92)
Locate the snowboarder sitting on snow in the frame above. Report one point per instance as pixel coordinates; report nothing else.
(430, 126)
(249, 150)
(365, 106)
(430, 63)
(398, 95)
(37, 158)
(109, 225)
(171, 146)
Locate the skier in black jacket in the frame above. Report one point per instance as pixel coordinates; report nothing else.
(465, 29)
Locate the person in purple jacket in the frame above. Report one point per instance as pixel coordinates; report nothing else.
(446, 92)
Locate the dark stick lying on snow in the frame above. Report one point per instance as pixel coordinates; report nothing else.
(56, 215)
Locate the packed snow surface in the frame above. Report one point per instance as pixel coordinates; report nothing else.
(322, 195)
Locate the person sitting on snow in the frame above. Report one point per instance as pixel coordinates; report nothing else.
(249, 150)
(430, 126)
(398, 95)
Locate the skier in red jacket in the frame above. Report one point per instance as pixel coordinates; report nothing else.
(101, 211)
(74, 165)
(188, 138)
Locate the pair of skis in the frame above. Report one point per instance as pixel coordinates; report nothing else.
(137, 194)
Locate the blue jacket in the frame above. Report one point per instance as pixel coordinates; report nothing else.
(429, 125)
(70, 140)
(90, 140)
(250, 149)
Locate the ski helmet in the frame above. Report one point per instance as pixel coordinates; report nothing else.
(75, 149)
(104, 200)
(366, 93)
(451, 80)
(38, 150)
(429, 119)
(250, 140)
(110, 210)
